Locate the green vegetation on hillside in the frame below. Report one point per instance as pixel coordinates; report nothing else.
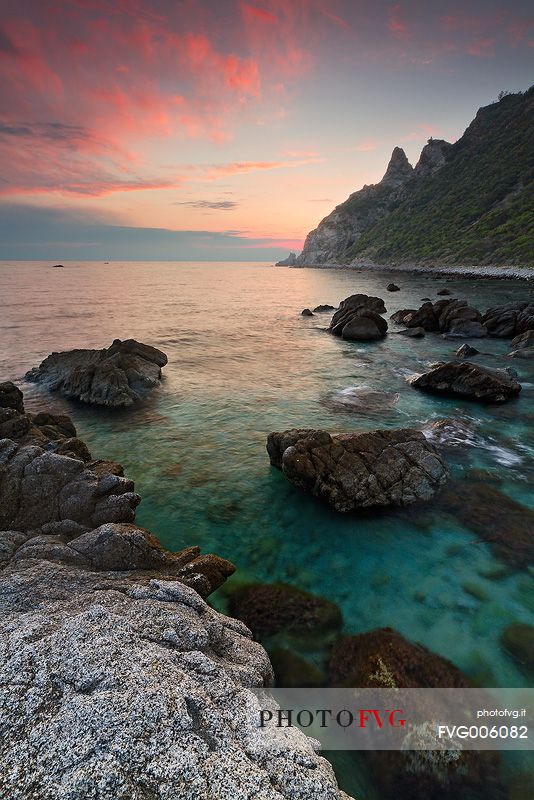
(478, 208)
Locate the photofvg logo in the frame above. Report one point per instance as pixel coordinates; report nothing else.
(402, 719)
(325, 717)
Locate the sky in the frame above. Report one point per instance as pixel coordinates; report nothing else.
(225, 130)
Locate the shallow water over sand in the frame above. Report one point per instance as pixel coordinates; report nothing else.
(243, 362)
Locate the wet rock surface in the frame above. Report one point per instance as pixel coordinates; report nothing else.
(353, 471)
(470, 381)
(510, 319)
(117, 376)
(358, 318)
(454, 318)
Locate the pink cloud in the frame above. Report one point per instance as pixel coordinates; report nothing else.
(397, 26)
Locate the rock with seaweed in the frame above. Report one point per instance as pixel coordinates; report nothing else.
(384, 659)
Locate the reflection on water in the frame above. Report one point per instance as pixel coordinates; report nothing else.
(243, 362)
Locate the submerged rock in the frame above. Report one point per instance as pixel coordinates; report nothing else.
(293, 671)
(494, 517)
(358, 318)
(471, 381)
(117, 376)
(412, 333)
(444, 292)
(382, 658)
(361, 399)
(518, 640)
(270, 608)
(353, 471)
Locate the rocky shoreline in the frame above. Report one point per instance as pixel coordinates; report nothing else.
(436, 270)
(120, 681)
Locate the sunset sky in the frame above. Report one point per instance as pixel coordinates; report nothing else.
(181, 129)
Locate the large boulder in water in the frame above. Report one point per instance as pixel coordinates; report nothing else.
(358, 318)
(117, 376)
(353, 471)
(471, 381)
(455, 318)
(364, 326)
(510, 319)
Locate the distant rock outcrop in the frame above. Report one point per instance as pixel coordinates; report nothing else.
(290, 261)
(353, 471)
(340, 230)
(117, 376)
(459, 205)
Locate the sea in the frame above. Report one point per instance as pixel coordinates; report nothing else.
(243, 362)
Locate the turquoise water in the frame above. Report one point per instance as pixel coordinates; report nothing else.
(243, 362)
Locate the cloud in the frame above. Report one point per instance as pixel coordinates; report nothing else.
(216, 205)
(45, 233)
(397, 25)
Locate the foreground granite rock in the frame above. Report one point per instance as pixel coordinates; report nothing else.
(117, 376)
(358, 318)
(123, 688)
(353, 471)
(471, 381)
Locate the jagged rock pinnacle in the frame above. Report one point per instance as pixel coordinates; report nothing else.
(399, 168)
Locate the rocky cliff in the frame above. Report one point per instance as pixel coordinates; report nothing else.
(119, 681)
(470, 202)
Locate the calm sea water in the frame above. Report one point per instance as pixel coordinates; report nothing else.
(243, 362)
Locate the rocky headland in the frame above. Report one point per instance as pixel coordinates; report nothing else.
(120, 681)
(117, 376)
(463, 204)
